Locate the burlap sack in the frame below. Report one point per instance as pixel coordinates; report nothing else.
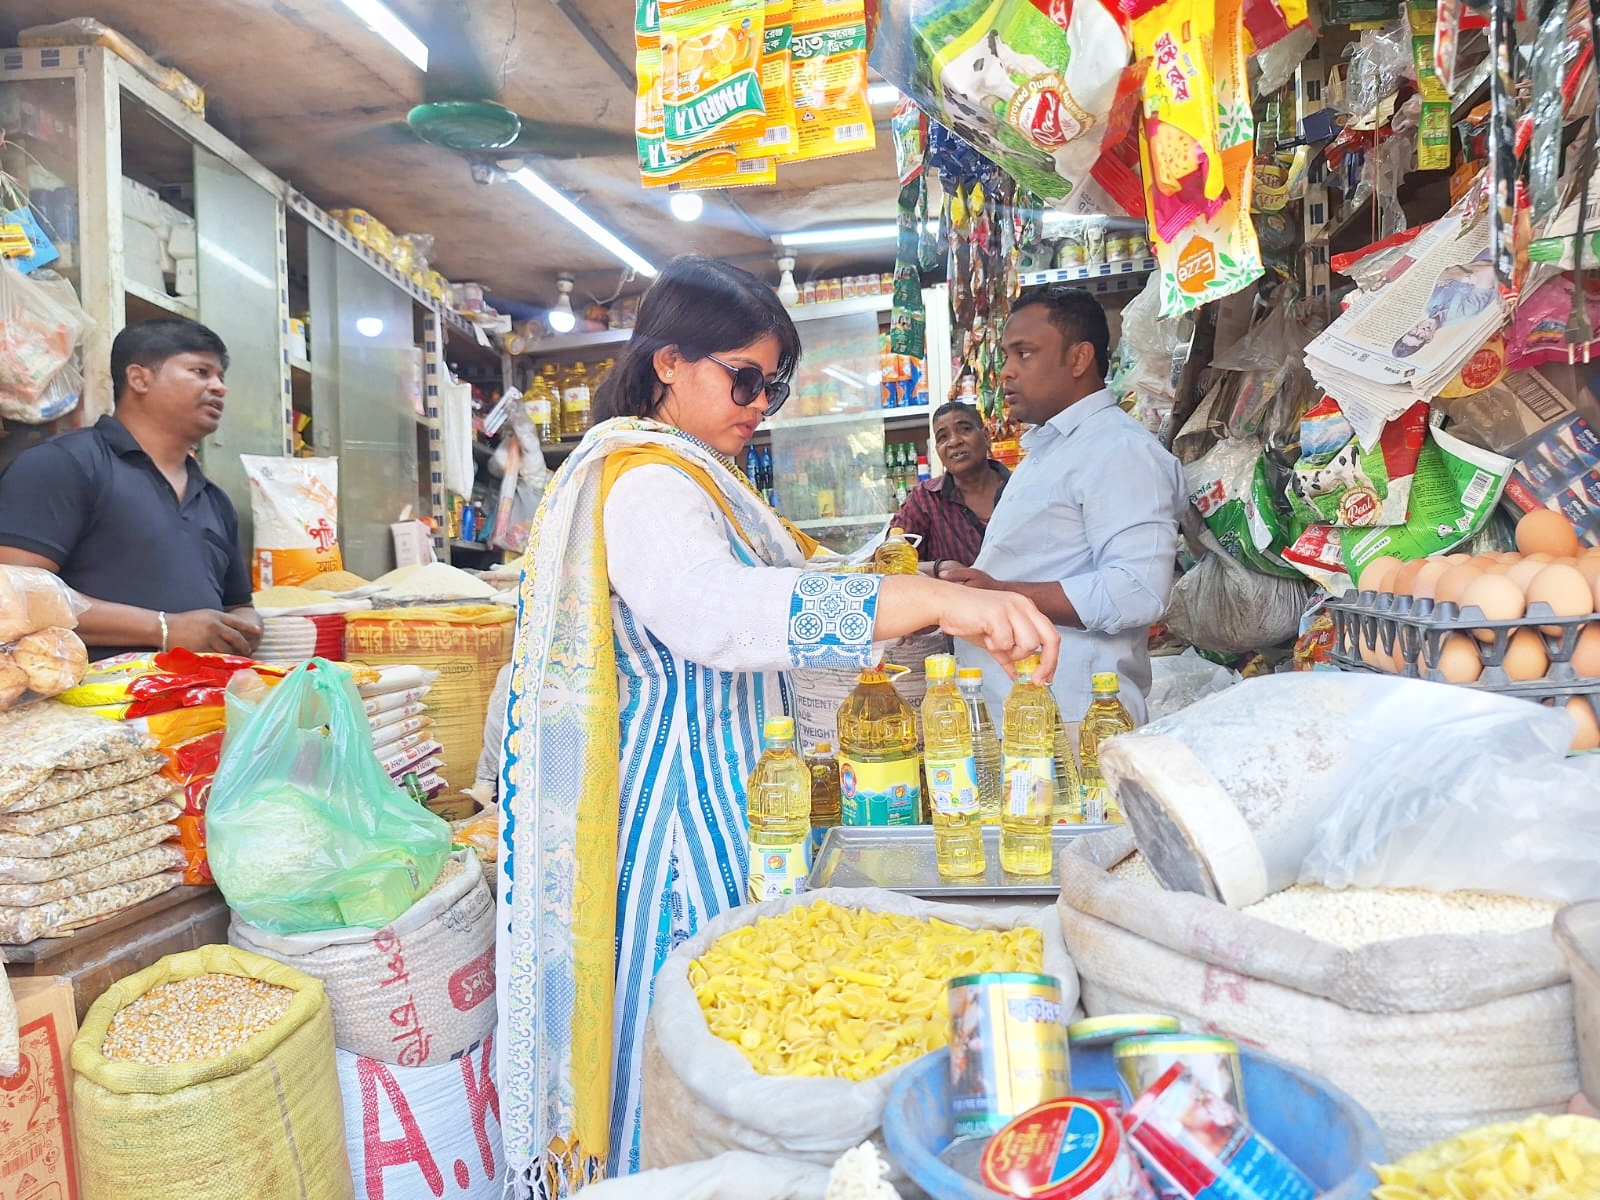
(702, 1097)
(1432, 1035)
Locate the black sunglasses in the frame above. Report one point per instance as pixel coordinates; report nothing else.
(749, 382)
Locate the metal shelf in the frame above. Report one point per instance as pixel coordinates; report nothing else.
(161, 300)
(887, 415)
(1132, 266)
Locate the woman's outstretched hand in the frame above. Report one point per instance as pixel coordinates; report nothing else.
(1010, 627)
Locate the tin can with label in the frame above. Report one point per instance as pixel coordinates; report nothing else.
(1102, 1031)
(1197, 1144)
(1068, 1149)
(1008, 1048)
(1213, 1061)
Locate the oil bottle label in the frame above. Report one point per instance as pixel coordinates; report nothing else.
(953, 785)
(1030, 785)
(880, 793)
(1096, 803)
(777, 871)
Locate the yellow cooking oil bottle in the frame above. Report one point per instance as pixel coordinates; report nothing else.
(880, 771)
(1106, 718)
(952, 771)
(985, 744)
(778, 808)
(575, 401)
(1069, 792)
(1029, 741)
(543, 407)
(896, 556)
(824, 769)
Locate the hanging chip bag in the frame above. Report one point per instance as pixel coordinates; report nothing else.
(711, 73)
(829, 57)
(781, 138)
(658, 166)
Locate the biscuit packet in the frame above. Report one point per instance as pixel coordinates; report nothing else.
(780, 139)
(711, 73)
(829, 57)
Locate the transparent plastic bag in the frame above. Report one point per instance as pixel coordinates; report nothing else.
(1222, 605)
(1484, 801)
(1179, 680)
(39, 334)
(304, 830)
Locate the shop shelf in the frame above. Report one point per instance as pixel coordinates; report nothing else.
(1132, 266)
(168, 304)
(300, 364)
(888, 415)
(841, 308)
(843, 522)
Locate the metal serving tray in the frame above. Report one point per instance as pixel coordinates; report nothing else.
(900, 858)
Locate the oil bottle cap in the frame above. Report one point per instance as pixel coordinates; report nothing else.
(940, 666)
(897, 532)
(1029, 665)
(970, 674)
(780, 729)
(1104, 682)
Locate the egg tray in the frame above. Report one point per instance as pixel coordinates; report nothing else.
(1377, 621)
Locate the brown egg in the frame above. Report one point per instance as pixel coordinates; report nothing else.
(1566, 592)
(1458, 558)
(1547, 531)
(1454, 581)
(1458, 659)
(1586, 657)
(1525, 656)
(1492, 564)
(1589, 568)
(1378, 574)
(1406, 577)
(1425, 585)
(1497, 598)
(1375, 656)
(1525, 572)
(1587, 736)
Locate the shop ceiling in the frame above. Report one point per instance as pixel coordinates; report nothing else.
(311, 92)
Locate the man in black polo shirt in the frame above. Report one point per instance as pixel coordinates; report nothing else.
(122, 512)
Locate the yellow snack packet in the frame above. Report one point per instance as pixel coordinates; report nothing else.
(1182, 161)
(780, 140)
(711, 73)
(829, 53)
(658, 166)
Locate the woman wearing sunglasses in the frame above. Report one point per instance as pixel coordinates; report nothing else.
(663, 604)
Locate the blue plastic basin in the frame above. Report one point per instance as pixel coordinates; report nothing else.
(1328, 1135)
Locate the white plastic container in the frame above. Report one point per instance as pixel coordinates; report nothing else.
(1577, 931)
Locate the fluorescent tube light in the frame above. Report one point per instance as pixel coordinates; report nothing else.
(840, 235)
(382, 21)
(568, 211)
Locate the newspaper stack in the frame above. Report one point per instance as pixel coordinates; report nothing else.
(1401, 343)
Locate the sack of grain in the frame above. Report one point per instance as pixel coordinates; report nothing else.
(418, 991)
(294, 503)
(169, 1116)
(702, 1097)
(1434, 1013)
(424, 1131)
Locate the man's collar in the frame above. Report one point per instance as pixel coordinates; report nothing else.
(1074, 415)
(116, 436)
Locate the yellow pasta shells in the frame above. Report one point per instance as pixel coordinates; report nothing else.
(1539, 1158)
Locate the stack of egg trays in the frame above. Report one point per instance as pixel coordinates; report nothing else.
(1379, 621)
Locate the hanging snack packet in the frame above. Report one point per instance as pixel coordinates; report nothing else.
(659, 167)
(1337, 483)
(829, 53)
(910, 127)
(711, 73)
(781, 138)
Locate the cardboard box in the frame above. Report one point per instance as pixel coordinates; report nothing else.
(413, 544)
(36, 1156)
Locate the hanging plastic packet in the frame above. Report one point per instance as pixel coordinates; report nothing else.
(658, 167)
(1538, 332)
(910, 127)
(711, 73)
(781, 138)
(907, 320)
(829, 56)
(1337, 483)
(1433, 126)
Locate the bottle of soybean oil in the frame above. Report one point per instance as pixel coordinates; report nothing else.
(778, 807)
(985, 744)
(880, 771)
(1029, 740)
(824, 770)
(1106, 718)
(896, 556)
(1069, 798)
(952, 771)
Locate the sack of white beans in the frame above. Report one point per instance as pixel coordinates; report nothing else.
(1438, 1012)
(418, 991)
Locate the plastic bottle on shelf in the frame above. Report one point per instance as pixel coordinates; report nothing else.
(880, 770)
(1107, 717)
(765, 483)
(542, 407)
(778, 808)
(1028, 766)
(951, 767)
(896, 556)
(752, 464)
(924, 472)
(1069, 789)
(985, 744)
(575, 401)
(824, 769)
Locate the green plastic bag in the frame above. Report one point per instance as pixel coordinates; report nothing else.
(304, 830)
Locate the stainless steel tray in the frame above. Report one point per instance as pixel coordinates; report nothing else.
(900, 858)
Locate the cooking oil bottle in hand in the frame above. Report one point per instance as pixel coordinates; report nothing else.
(952, 771)
(778, 807)
(896, 556)
(985, 744)
(824, 770)
(1029, 741)
(880, 770)
(1106, 718)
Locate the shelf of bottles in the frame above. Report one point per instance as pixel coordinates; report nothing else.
(560, 399)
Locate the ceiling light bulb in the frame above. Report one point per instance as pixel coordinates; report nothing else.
(369, 326)
(686, 206)
(561, 317)
(787, 291)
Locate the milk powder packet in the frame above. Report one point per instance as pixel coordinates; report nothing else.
(295, 503)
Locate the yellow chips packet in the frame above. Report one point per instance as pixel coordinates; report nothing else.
(658, 166)
(711, 73)
(829, 56)
(780, 139)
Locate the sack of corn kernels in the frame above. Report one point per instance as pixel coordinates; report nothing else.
(417, 992)
(210, 1075)
(703, 1092)
(1437, 1011)
(424, 1131)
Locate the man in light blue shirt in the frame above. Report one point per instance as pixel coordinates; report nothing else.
(1087, 527)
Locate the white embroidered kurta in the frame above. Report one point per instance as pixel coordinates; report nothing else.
(704, 634)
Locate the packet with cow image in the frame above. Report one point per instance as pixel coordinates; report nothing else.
(1336, 482)
(711, 73)
(828, 56)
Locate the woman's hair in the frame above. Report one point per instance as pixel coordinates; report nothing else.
(957, 406)
(701, 306)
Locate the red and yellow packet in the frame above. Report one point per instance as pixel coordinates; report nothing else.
(1179, 152)
(711, 73)
(781, 138)
(829, 57)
